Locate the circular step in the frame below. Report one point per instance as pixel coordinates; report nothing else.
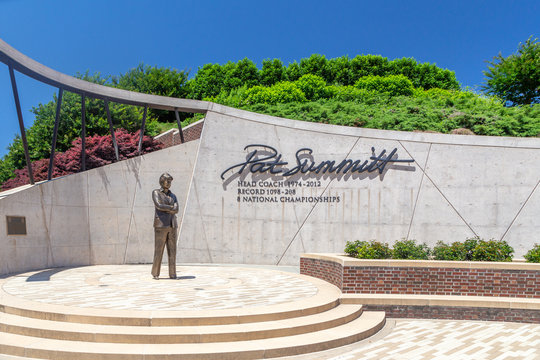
(127, 295)
(120, 312)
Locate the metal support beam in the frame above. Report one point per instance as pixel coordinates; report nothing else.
(179, 125)
(111, 129)
(142, 128)
(83, 132)
(55, 132)
(21, 124)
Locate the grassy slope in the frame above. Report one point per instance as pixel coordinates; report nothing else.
(482, 116)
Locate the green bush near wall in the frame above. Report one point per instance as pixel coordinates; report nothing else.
(369, 249)
(472, 249)
(492, 250)
(410, 250)
(533, 255)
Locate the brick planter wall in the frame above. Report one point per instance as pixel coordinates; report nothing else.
(324, 270)
(430, 279)
(456, 282)
(441, 281)
(457, 313)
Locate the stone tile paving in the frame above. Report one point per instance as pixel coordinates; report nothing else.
(435, 340)
(132, 287)
(442, 340)
(225, 287)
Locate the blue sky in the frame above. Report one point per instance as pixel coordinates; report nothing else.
(111, 37)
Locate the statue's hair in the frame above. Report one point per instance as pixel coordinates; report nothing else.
(163, 177)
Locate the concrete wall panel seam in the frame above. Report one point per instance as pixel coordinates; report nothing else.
(419, 186)
(521, 208)
(313, 207)
(46, 228)
(450, 203)
(131, 214)
(203, 227)
(90, 247)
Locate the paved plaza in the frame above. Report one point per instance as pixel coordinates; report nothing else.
(404, 339)
(207, 287)
(131, 287)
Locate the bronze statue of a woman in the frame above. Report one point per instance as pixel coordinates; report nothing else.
(165, 225)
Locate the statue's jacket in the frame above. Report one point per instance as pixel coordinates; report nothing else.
(166, 209)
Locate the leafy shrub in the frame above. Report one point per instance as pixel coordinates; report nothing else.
(282, 92)
(99, 152)
(351, 246)
(313, 86)
(457, 251)
(492, 250)
(350, 93)
(446, 97)
(368, 249)
(373, 250)
(393, 85)
(470, 244)
(472, 249)
(234, 98)
(533, 255)
(408, 249)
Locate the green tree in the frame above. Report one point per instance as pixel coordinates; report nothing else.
(244, 72)
(516, 78)
(212, 79)
(156, 81)
(316, 65)
(272, 72)
(293, 71)
(39, 135)
(366, 65)
(340, 69)
(207, 82)
(153, 80)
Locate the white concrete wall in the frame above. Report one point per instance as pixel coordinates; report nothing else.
(458, 187)
(101, 216)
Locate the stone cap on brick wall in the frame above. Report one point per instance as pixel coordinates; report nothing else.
(441, 300)
(348, 261)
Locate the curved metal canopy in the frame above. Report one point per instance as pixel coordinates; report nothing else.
(40, 72)
(25, 65)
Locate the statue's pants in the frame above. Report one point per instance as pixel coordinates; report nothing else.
(165, 236)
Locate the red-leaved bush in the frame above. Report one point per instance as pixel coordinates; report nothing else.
(99, 152)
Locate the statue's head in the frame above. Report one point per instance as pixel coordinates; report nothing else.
(165, 177)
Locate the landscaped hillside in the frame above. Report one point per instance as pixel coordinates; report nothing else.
(364, 91)
(398, 108)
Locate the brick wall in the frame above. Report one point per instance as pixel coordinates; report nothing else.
(457, 313)
(325, 270)
(172, 137)
(191, 132)
(457, 281)
(442, 281)
(425, 280)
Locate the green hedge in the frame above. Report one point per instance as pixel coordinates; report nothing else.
(393, 85)
(410, 250)
(533, 255)
(368, 250)
(473, 249)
